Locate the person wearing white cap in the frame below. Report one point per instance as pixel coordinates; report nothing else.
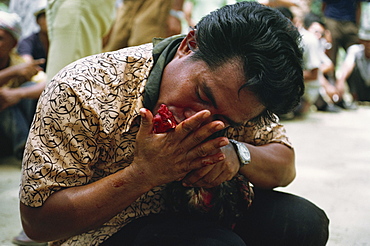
(16, 94)
(355, 69)
(10, 22)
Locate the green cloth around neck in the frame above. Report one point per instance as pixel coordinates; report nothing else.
(163, 52)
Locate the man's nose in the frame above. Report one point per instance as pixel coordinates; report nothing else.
(189, 112)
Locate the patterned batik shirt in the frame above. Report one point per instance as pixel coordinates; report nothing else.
(84, 129)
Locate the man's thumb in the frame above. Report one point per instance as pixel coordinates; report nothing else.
(146, 124)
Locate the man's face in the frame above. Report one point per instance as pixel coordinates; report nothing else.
(189, 86)
(7, 43)
(317, 29)
(41, 21)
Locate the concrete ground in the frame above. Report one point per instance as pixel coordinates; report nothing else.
(333, 165)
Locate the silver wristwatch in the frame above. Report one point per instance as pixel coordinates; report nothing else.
(242, 151)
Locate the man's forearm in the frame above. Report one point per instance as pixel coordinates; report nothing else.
(76, 210)
(272, 165)
(31, 92)
(7, 74)
(346, 70)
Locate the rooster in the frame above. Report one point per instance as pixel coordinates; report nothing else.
(226, 203)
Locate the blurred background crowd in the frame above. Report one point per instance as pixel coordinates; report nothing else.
(39, 37)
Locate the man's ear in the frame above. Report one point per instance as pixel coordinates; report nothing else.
(188, 44)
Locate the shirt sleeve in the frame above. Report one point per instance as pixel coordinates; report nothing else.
(261, 134)
(60, 149)
(85, 123)
(351, 54)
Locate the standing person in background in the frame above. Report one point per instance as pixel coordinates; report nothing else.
(139, 21)
(196, 9)
(36, 45)
(76, 29)
(342, 18)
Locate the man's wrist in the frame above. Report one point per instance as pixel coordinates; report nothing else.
(242, 152)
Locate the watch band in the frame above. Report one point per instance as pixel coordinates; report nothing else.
(242, 151)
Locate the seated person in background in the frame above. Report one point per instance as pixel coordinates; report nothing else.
(311, 68)
(328, 93)
(355, 69)
(36, 45)
(21, 84)
(95, 173)
(311, 65)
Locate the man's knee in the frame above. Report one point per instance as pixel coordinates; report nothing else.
(277, 218)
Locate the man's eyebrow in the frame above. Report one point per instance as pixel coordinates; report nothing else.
(208, 92)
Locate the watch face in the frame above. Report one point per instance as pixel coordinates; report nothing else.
(244, 154)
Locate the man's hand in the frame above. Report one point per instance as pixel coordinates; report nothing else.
(213, 175)
(29, 69)
(9, 97)
(163, 158)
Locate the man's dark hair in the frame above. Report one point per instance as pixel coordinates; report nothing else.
(286, 12)
(266, 42)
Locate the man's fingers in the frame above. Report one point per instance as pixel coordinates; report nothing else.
(196, 175)
(39, 61)
(146, 125)
(192, 123)
(196, 129)
(207, 149)
(207, 177)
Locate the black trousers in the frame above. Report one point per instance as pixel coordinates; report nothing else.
(274, 219)
(357, 85)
